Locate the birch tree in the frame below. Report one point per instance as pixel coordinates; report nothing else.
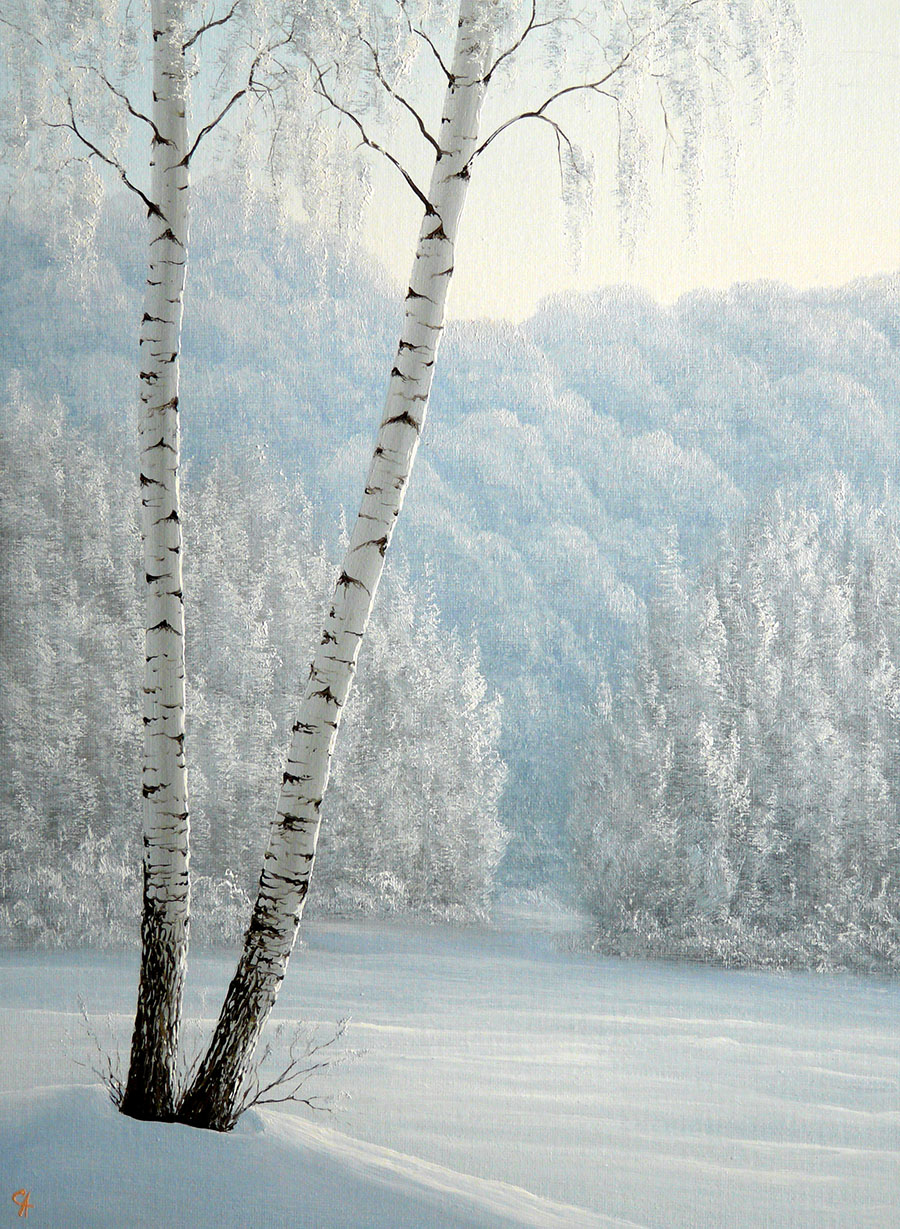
(64, 95)
(634, 45)
(66, 65)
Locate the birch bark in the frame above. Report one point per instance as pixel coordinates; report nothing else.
(151, 1089)
(213, 1098)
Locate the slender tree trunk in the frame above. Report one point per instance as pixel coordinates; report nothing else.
(214, 1096)
(151, 1090)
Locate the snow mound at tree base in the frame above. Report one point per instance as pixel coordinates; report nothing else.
(84, 1164)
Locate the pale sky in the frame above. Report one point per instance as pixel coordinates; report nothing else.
(815, 200)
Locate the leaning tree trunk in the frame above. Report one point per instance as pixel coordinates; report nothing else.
(214, 1097)
(151, 1089)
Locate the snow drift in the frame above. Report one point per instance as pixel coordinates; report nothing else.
(84, 1163)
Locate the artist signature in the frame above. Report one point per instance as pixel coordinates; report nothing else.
(23, 1202)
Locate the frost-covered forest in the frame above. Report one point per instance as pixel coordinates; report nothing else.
(739, 797)
(646, 599)
(70, 605)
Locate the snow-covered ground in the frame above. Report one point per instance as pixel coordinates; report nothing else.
(495, 1065)
(82, 1164)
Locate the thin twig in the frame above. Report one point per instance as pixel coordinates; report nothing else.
(670, 135)
(20, 30)
(285, 1086)
(425, 39)
(589, 86)
(107, 1073)
(250, 86)
(219, 21)
(533, 24)
(127, 101)
(557, 128)
(394, 93)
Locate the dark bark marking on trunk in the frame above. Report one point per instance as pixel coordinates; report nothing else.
(405, 418)
(167, 233)
(382, 544)
(346, 581)
(163, 626)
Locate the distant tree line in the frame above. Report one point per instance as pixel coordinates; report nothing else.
(565, 447)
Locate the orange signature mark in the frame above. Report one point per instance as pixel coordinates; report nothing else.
(22, 1202)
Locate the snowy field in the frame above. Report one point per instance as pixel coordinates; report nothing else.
(505, 1082)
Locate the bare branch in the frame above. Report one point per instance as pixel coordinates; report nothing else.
(286, 1085)
(399, 97)
(533, 24)
(214, 123)
(113, 162)
(107, 1072)
(670, 135)
(218, 21)
(595, 87)
(250, 86)
(592, 86)
(323, 92)
(425, 39)
(127, 101)
(539, 112)
(11, 25)
(310, 1102)
(561, 135)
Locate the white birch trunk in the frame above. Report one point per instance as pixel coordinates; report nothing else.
(288, 863)
(151, 1088)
